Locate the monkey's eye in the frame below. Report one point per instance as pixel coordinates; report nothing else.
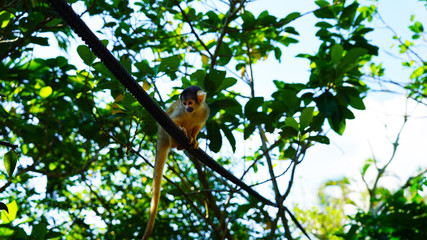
(190, 102)
(184, 103)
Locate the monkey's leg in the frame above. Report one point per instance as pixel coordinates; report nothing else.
(193, 137)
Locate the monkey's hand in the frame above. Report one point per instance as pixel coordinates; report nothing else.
(179, 147)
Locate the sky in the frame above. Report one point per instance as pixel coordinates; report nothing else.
(373, 130)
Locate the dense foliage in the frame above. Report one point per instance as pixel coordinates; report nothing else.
(84, 147)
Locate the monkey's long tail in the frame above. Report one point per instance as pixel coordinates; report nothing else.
(161, 155)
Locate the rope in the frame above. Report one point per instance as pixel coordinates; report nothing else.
(97, 47)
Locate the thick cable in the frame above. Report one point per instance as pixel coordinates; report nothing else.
(99, 49)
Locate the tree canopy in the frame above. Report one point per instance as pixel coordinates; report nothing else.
(78, 149)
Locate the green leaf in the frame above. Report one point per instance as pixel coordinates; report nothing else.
(10, 160)
(306, 117)
(45, 92)
(288, 132)
(7, 232)
(365, 167)
(323, 34)
(8, 217)
(286, 100)
(357, 103)
(417, 27)
(365, 13)
(329, 106)
(86, 54)
(42, 41)
(290, 152)
(231, 105)
(248, 130)
(324, 25)
(105, 42)
(213, 18)
(228, 82)
(325, 10)
(185, 82)
(5, 18)
(214, 135)
(322, 3)
(418, 72)
(265, 19)
(199, 77)
(3, 112)
(224, 54)
(248, 19)
(101, 68)
(326, 103)
(144, 67)
(258, 118)
(253, 104)
(351, 59)
(214, 81)
(291, 30)
(229, 135)
(319, 139)
(336, 53)
(291, 16)
(53, 235)
(351, 95)
(39, 230)
(170, 63)
(291, 122)
(347, 15)
(126, 62)
(278, 53)
(20, 234)
(337, 123)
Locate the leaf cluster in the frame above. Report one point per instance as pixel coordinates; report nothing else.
(398, 217)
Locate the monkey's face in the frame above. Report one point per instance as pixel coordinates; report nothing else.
(191, 98)
(189, 105)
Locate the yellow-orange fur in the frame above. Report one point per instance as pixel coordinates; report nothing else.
(190, 113)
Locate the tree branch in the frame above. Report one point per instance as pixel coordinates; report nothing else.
(228, 17)
(400, 40)
(9, 145)
(187, 19)
(372, 191)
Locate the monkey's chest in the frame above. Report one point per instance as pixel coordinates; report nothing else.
(190, 121)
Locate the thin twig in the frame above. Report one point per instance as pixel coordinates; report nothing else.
(187, 19)
(400, 40)
(9, 145)
(381, 171)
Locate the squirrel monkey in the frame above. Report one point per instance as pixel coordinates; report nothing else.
(190, 113)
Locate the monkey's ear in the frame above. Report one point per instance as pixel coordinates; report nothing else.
(201, 96)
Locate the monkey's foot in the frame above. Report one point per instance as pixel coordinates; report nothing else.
(193, 143)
